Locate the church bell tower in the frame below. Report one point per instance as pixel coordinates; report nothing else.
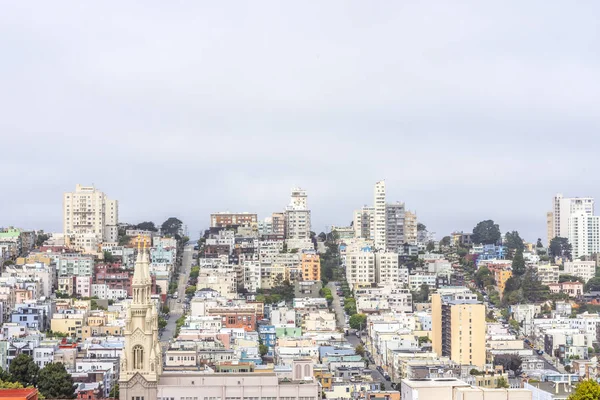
(141, 362)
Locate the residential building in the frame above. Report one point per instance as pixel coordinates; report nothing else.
(394, 226)
(562, 210)
(582, 269)
(364, 222)
(379, 218)
(459, 328)
(278, 223)
(573, 289)
(224, 219)
(548, 273)
(297, 216)
(410, 227)
(90, 217)
(584, 234)
(311, 267)
(454, 389)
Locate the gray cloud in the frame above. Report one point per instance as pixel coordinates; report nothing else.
(469, 110)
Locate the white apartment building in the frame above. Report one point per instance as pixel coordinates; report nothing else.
(548, 273)
(297, 216)
(387, 269)
(562, 209)
(415, 281)
(584, 234)
(583, 269)
(379, 231)
(87, 214)
(363, 222)
(360, 268)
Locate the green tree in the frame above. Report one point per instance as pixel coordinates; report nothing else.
(41, 239)
(422, 295)
(484, 278)
(515, 325)
(560, 247)
(513, 242)
(569, 278)
(23, 369)
(532, 287)
(430, 246)
(147, 226)
(502, 384)
(593, 285)
(108, 257)
(587, 389)
(263, 349)
(539, 243)
(322, 237)
(446, 240)
(55, 382)
(421, 227)
(162, 323)
(171, 226)
(486, 232)
(358, 321)
(165, 309)
(423, 339)
(124, 240)
(360, 350)
(510, 362)
(518, 264)
(114, 392)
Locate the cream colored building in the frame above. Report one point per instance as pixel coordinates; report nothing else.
(70, 323)
(410, 227)
(297, 216)
(364, 222)
(583, 269)
(89, 218)
(454, 389)
(548, 273)
(379, 218)
(459, 328)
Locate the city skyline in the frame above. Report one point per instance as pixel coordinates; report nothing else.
(477, 112)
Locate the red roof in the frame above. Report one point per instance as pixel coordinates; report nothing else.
(16, 393)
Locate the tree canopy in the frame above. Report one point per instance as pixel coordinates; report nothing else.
(513, 243)
(587, 389)
(510, 362)
(55, 382)
(421, 227)
(560, 247)
(484, 277)
(569, 278)
(539, 243)
(446, 240)
(171, 226)
(486, 232)
(358, 321)
(23, 369)
(147, 226)
(518, 264)
(593, 285)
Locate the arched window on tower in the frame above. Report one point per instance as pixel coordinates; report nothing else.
(138, 357)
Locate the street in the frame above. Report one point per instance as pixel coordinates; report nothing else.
(337, 307)
(351, 338)
(176, 309)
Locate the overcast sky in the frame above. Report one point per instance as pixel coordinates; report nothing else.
(468, 110)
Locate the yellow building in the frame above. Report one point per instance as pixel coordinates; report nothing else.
(311, 267)
(458, 328)
(71, 324)
(501, 275)
(324, 376)
(33, 258)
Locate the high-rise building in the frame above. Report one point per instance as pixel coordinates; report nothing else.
(458, 328)
(379, 232)
(278, 223)
(141, 361)
(90, 217)
(363, 222)
(297, 216)
(394, 225)
(410, 227)
(562, 210)
(584, 234)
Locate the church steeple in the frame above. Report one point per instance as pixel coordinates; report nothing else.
(141, 362)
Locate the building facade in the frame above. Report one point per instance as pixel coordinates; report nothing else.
(90, 217)
(379, 218)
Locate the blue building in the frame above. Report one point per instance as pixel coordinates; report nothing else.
(33, 316)
(268, 336)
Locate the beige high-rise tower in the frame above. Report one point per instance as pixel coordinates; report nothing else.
(379, 220)
(141, 363)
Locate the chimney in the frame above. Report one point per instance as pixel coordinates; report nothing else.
(556, 387)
